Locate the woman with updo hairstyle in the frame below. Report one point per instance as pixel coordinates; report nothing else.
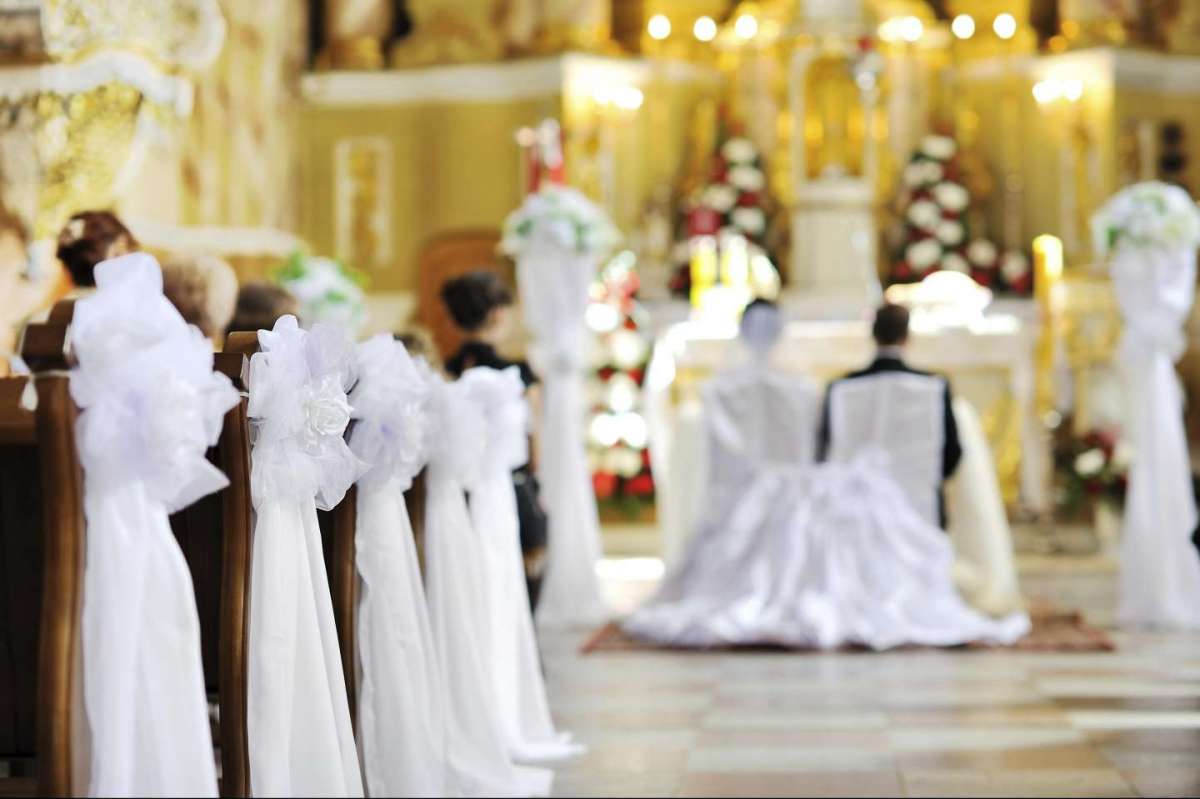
(88, 238)
(481, 305)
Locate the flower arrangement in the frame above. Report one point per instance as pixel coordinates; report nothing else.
(326, 290)
(731, 201)
(559, 217)
(1146, 215)
(1092, 469)
(936, 236)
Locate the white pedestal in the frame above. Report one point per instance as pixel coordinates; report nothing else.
(834, 248)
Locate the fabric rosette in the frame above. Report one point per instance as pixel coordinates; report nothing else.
(401, 698)
(150, 407)
(300, 737)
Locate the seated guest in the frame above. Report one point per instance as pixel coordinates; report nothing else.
(481, 305)
(204, 289)
(88, 238)
(904, 412)
(259, 306)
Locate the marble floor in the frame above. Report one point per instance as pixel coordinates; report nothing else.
(921, 723)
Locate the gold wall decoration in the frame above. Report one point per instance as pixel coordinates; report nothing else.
(362, 190)
(187, 33)
(450, 31)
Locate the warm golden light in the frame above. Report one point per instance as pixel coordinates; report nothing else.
(911, 29)
(705, 29)
(746, 27)
(1047, 259)
(1005, 26)
(659, 27)
(963, 26)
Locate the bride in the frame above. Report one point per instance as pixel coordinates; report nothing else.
(795, 554)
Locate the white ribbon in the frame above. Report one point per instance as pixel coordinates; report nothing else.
(1160, 571)
(401, 697)
(554, 287)
(300, 737)
(456, 585)
(150, 407)
(515, 666)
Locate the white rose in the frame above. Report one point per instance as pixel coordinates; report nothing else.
(1014, 266)
(746, 178)
(923, 254)
(914, 175)
(1089, 463)
(720, 197)
(326, 411)
(751, 220)
(623, 461)
(924, 214)
(982, 253)
(933, 171)
(951, 196)
(953, 262)
(940, 147)
(950, 233)
(739, 151)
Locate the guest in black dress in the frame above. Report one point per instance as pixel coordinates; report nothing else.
(481, 305)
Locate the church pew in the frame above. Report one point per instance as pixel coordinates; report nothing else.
(215, 539)
(41, 572)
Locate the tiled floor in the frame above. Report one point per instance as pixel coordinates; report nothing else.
(909, 723)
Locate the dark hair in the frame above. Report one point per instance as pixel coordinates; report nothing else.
(471, 298)
(86, 240)
(891, 325)
(259, 306)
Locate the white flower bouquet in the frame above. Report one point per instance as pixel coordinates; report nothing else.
(1150, 215)
(559, 217)
(326, 290)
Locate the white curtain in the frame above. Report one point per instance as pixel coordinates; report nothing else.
(401, 695)
(515, 666)
(456, 586)
(554, 285)
(1160, 570)
(300, 737)
(150, 406)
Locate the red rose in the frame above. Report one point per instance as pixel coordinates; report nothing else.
(902, 271)
(636, 375)
(604, 484)
(641, 486)
(1023, 284)
(629, 324)
(719, 170)
(605, 373)
(749, 199)
(982, 276)
(703, 221)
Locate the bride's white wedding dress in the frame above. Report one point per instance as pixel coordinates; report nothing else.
(798, 555)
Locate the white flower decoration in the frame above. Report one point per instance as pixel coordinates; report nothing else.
(1014, 266)
(953, 262)
(720, 197)
(1147, 215)
(746, 178)
(561, 218)
(1089, 463)
(982, 253)
(924, 214)
(951, 196)
(950, 233)
(739, 151)
(750, 220)
(923, 254)
(941, 148)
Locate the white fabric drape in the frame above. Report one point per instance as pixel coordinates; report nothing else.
(300, 737)
(515, 666)
(150, 406)
(458, 594)
(985, 569)
(901, 414)
(554, 284)
(1160, 571)
(798, 555)
(401, 696)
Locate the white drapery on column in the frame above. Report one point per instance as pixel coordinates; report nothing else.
(300, 738)
(1160, 570)
(515, 666)
(401, 695)
(456, 586)
(553, 284)
(151, 405)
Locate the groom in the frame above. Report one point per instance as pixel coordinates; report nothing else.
(867, 405)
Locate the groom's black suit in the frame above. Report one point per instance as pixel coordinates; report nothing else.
(951, 449)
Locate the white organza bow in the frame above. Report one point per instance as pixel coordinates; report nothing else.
(500, 397)
(299, 413)
(401, 699)
(300, 737)
(150, 407)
